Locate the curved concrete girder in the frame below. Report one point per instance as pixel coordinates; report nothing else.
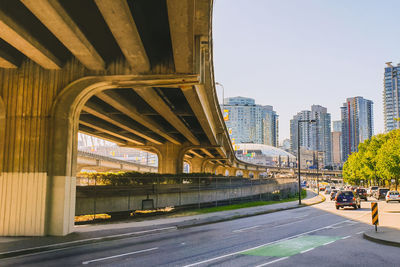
(63, 143)
(196, 97)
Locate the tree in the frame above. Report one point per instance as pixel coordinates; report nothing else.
(388, 158)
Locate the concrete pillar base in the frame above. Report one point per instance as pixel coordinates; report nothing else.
(23, 204)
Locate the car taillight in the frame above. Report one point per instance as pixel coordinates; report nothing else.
(354, 199)
(335, 198)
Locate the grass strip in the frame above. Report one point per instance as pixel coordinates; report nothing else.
(240, 206)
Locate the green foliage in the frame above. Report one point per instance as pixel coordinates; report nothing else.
(377, 160)
(138, 178)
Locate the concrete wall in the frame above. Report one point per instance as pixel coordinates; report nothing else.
(128, 200)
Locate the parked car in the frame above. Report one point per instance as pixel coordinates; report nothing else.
(392, 196)
(381, 193)
(347, 199)
(327, 190)
(362, 193)
(371, 190)
(333, 193)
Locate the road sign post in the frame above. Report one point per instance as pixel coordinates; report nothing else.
(374, 213)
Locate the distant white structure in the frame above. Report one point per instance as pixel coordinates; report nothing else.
(265, 155)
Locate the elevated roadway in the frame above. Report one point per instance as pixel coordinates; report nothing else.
(138, 73)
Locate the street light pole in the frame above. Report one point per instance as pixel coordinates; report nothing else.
(223, 92)
(298, 154)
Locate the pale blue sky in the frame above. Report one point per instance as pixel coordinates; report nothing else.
(294, 53)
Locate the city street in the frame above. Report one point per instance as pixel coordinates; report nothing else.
(311, 236)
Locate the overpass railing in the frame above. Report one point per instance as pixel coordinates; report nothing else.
(94, 195)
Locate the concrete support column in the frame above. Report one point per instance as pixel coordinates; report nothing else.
(33, 202)
(197, 164)
(219, 170)
(246, 173)
(232, 171)
(170, 159)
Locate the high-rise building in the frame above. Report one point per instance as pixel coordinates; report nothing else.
(391, 99)
(313, 136)
(357, 124)
(250, 123)
(321, 132)
(337, 143)
(305, 131)
(337, 126)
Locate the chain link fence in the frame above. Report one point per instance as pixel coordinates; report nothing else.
(96, 195)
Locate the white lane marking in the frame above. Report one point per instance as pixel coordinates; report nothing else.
(83, 240)
(359, 232)
(270, 262)
(328, 243)
(346, 237)
(244, 229)
(120, 255)
(269, 243)
(307, 250)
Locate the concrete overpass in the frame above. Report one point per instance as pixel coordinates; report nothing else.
(91, 161)
(138, 73)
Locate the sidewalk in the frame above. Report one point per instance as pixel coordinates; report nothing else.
(87, 234)
(384, 235)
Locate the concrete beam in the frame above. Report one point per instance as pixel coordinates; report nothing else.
(197, 99)
(105, 137)
(158, 104)
(6, 61)
(18, 37)
(191, 151)
(57, 20)
(125, 107)
(95, 126)
(205, 151)
(181, 25)
(119, 19)
(95, 111)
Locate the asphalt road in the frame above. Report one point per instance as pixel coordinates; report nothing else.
(312, 236)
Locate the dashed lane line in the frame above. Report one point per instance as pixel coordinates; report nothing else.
(120, 255)
(244, 229)
(271, 262)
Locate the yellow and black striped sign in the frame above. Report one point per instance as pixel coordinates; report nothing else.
(374, 212)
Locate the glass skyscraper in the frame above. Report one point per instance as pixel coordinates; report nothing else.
(357, 124)
(313, 136)
(250, 123)
(391, 100)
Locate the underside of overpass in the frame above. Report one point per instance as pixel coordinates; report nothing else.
(135, 72)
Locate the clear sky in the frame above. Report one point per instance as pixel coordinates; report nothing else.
(294, 53)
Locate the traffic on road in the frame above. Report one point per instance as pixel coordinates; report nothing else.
(318, 235)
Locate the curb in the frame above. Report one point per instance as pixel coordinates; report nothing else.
(381, 241)
(322, 200)
(15, 253)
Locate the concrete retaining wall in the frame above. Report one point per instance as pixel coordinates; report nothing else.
(103, 201)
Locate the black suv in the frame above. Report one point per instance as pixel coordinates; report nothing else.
(362, 193)
(381, 193)
(347, 199)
